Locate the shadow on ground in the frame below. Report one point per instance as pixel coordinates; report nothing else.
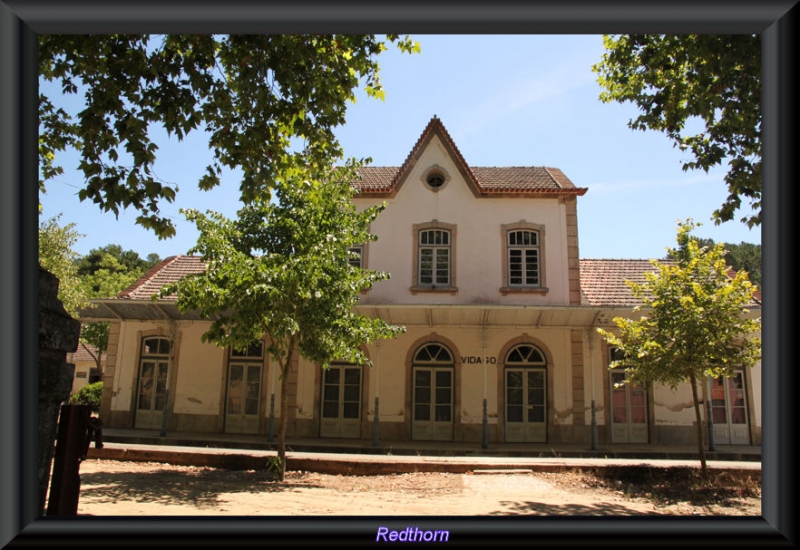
(200, 488)
(530, 508)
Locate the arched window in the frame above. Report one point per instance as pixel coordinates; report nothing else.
(524, 258)
(434, 257)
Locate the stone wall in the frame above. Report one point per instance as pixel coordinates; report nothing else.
(58, 334)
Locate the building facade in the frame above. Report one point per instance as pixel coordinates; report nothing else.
(86, 369)
(500, 344)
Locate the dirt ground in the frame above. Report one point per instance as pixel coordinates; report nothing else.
(111, 488)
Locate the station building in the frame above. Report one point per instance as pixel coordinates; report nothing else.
(500, 345)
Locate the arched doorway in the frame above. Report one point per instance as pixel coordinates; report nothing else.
(525, 376)
(243, 389)
(152, 387)
(433, 383)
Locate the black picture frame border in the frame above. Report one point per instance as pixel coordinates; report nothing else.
(20, 22)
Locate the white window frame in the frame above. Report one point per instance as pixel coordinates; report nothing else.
(507, 230)
(434, 243)
(420, 248)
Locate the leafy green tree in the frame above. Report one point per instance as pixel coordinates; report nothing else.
(90, 395)
(57, 257)
(259, 98)
(740, 256)
(104, 276)
(281, 271)
(126, 261)
(267, 102)
(678, 82)
(94, 339)
(695, 325)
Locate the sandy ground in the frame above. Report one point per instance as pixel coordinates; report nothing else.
(111, 488)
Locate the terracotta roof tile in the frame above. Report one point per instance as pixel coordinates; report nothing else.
(168, 271)
(603, 281)
(489, 180)
(485, 181)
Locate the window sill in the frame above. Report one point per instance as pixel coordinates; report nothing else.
(523, 290)
(434, 289)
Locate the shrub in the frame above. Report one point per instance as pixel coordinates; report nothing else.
(89, 395)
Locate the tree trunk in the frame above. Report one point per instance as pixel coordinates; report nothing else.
(285, 369)
(700, 447)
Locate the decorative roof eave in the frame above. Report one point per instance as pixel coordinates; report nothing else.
(487, 193)
(467, 315)
(434, 128)
(127, 309)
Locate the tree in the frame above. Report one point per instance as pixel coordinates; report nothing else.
(103, 258)
(104, 273)
(256, 96)
(740, 256)
(57, 257)
(695, 325)
(680, 81)
(282, 271)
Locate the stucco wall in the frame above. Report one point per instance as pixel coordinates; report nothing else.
(479, 250)
(200, 372)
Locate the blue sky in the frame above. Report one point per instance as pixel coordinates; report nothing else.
(507, 100)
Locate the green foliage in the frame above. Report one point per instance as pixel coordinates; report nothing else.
(274, 465)
(281, 272)
(104, 273)
(255, 96)
(742, 256)
(95, 334)
(57, 257)
(679, 82)
(90, 395)
(112, 258)
(696, 324)
(281, 269)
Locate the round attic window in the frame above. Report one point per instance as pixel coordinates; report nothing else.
(435, 180)
(435, 177)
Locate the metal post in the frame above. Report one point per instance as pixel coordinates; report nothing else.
(376, 426)
(485, 425)
(711, 443)
(594, 426)
(271, 436)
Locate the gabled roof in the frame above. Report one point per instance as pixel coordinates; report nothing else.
(167, 271)
(383, 181)
(603, 281)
